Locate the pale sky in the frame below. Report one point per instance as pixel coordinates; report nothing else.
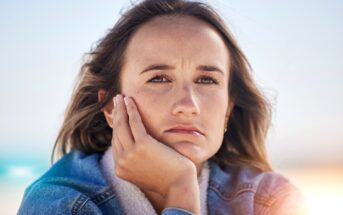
(294, 47)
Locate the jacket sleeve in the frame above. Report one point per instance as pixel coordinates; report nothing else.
(176, 211)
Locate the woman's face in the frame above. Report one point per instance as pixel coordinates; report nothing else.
(177, 69)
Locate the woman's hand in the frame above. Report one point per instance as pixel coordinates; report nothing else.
(143, 160)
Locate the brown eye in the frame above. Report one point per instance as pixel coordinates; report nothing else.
(208, 80)
(159, 79)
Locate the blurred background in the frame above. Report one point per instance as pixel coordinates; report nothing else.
(295, 49)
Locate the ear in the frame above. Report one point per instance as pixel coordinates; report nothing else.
(107, 110)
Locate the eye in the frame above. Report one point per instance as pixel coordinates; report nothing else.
(208, 80)
(159, 79)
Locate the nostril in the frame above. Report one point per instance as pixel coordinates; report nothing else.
(186, 107)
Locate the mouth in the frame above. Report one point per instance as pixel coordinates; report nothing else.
(185, 130)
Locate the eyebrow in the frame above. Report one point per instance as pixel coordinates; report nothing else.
(205, 68)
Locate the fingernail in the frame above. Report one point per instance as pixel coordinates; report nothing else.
(126, 100)
(117, 99)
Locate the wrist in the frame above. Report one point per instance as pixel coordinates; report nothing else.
(186, 178)
(185, 193)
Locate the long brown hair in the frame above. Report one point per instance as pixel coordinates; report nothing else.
(84, 127)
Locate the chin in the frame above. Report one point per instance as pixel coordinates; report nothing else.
(190, 150)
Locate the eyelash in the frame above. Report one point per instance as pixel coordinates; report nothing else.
(214, 81)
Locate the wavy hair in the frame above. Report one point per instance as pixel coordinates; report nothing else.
(85, 128)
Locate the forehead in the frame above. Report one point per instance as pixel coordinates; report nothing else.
(170, 37)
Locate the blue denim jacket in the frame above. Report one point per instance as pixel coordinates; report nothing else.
(76, 185)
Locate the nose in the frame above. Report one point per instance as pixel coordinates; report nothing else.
(186, 103)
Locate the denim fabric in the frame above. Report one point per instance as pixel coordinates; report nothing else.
(76, 185)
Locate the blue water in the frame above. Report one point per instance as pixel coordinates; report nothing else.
(22, 170)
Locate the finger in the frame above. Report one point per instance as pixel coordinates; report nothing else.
(118, 149)
(116, 145)
(115, 152)
(122, 124)
(135, 120)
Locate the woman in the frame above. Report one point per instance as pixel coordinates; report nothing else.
(165, 118)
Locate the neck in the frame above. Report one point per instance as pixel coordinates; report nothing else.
(199, 167)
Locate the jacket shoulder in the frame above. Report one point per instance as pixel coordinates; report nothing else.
(71, 185)
(262, 192)
(277, 195)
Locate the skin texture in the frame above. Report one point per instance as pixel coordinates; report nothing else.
(190, 88)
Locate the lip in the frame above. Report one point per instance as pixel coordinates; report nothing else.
(185, 129)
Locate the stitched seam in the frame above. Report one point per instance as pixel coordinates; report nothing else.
(227, 198)
(79, 203)
(245, 187)
(103, 197)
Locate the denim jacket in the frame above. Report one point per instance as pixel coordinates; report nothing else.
(76, 185)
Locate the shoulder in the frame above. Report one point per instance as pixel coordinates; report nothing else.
(260, 192)
(74, 167)
(72, 184)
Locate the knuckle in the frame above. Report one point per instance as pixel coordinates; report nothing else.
(120, 163)
(119, 172)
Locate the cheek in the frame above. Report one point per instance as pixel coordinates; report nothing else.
(214, 105)
(152, 109)
(214, 111)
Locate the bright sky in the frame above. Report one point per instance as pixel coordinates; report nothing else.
(295, 48)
